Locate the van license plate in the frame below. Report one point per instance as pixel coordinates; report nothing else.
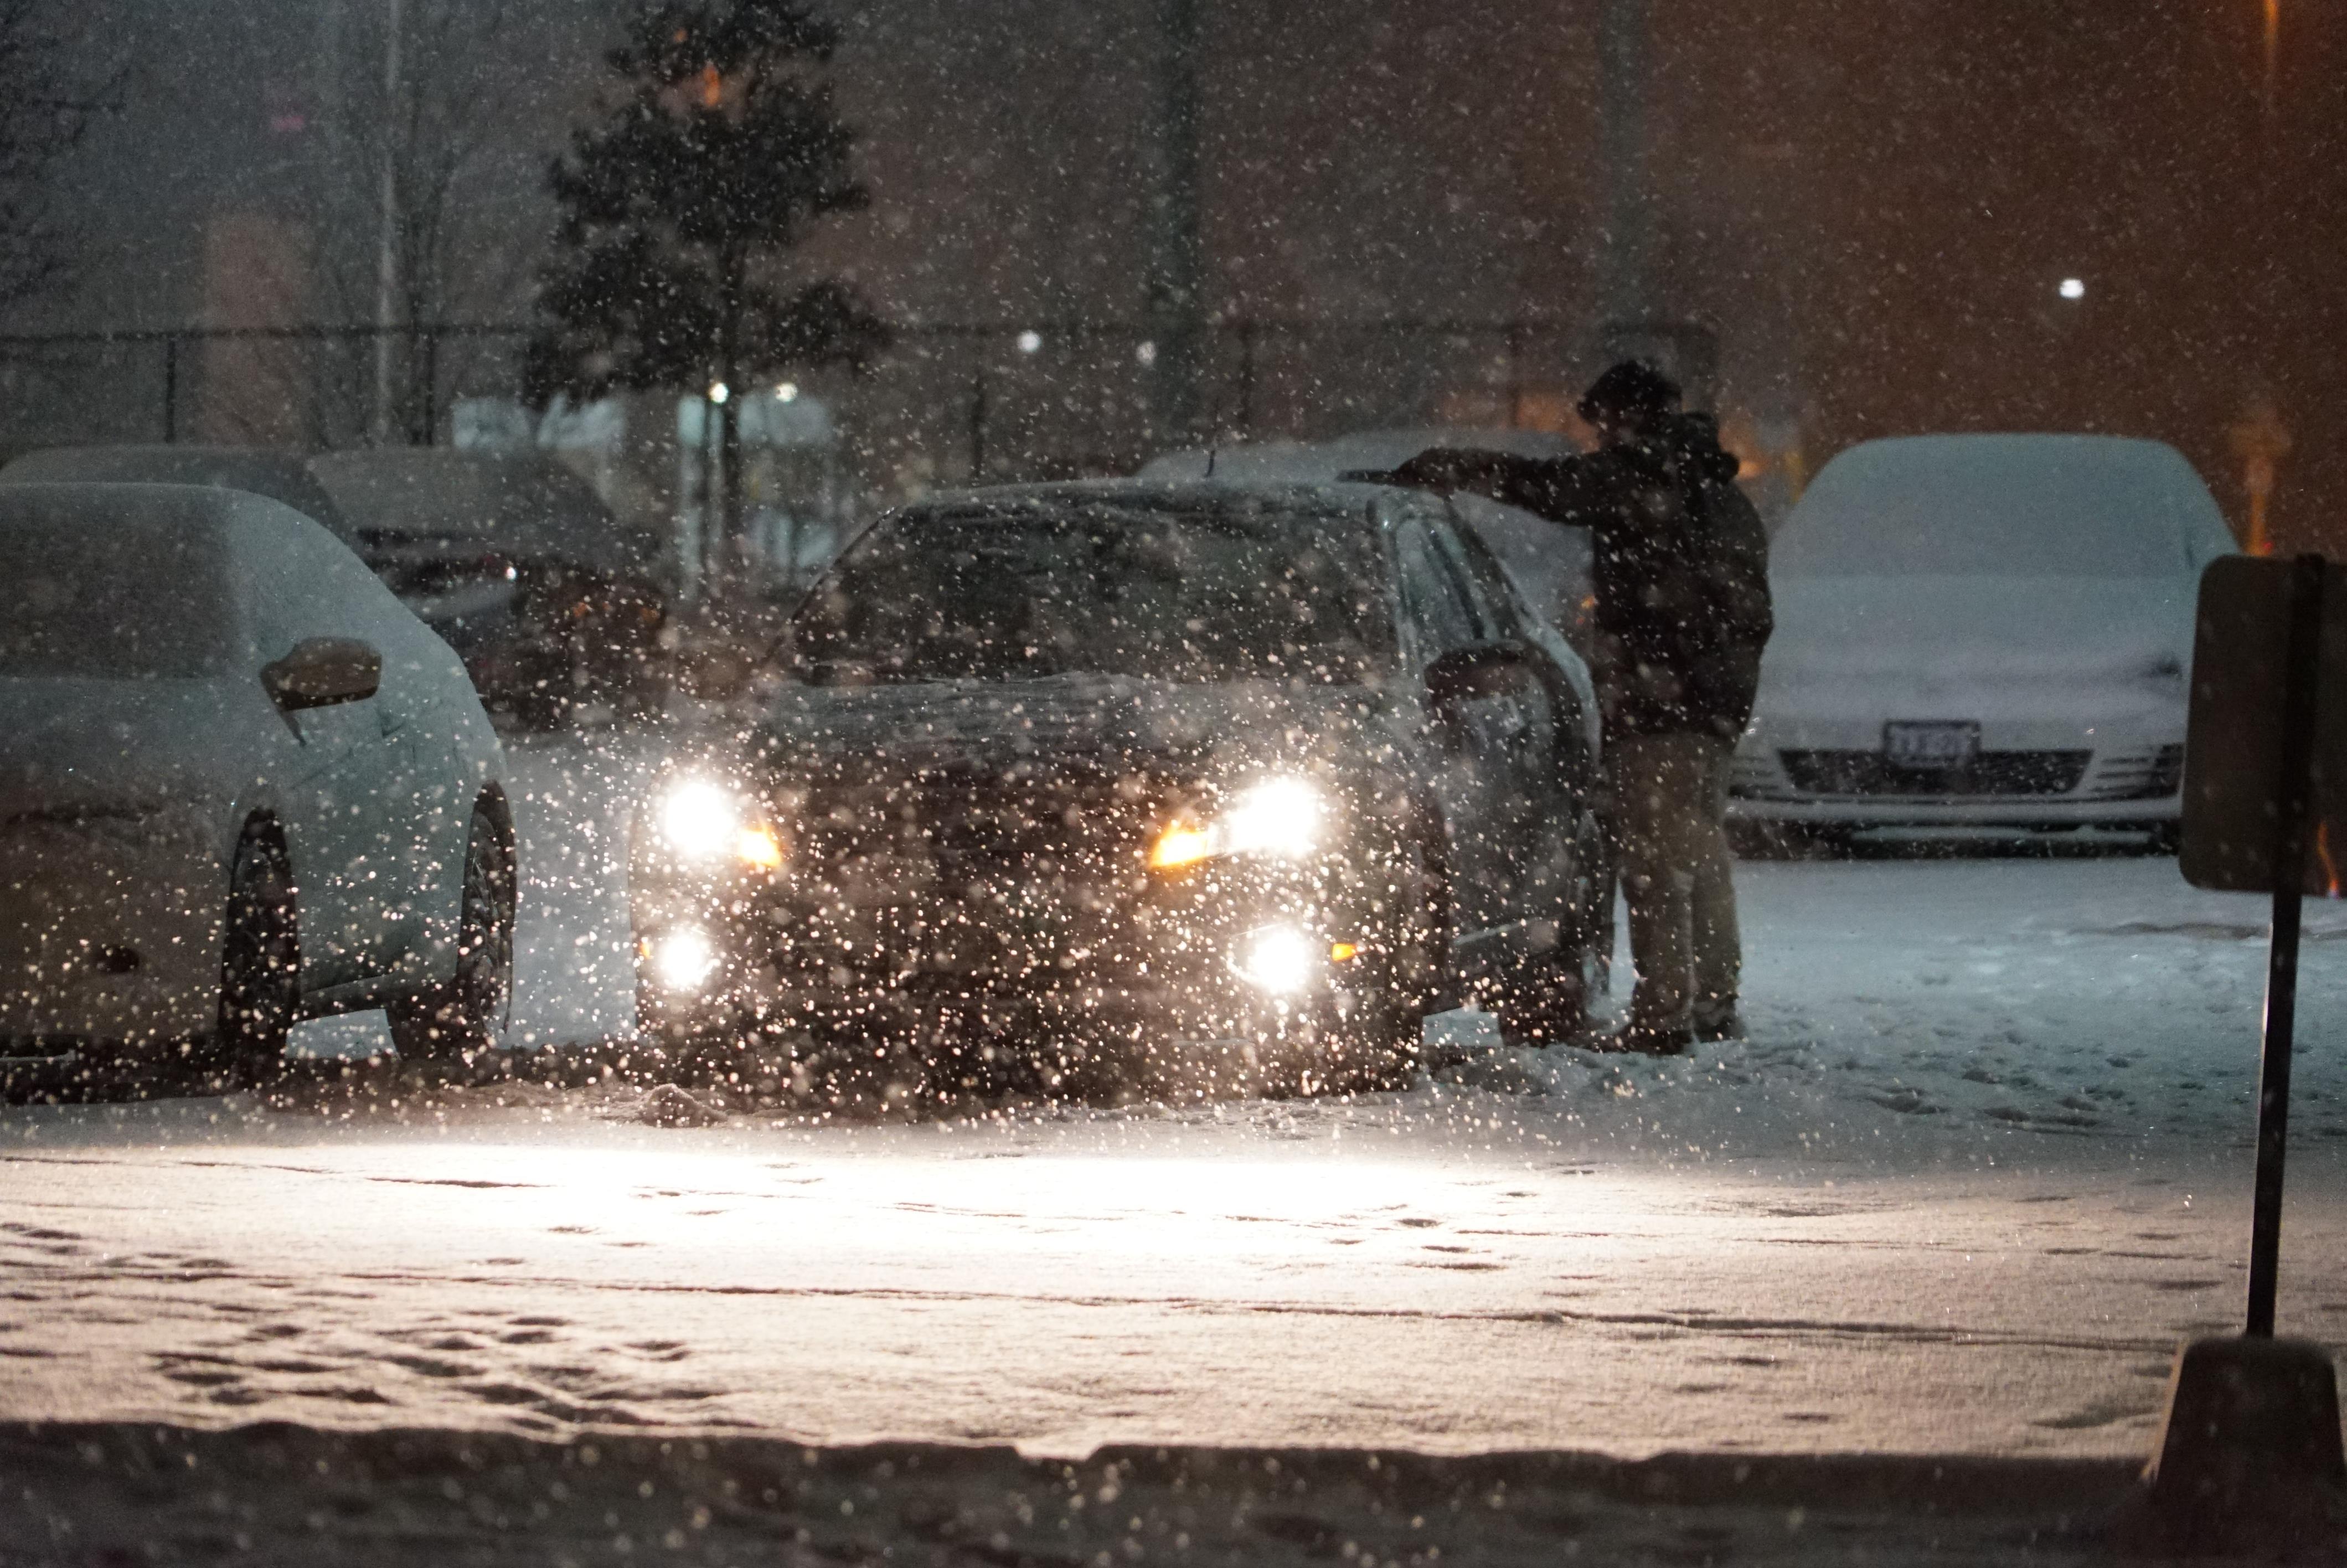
(1934, 747)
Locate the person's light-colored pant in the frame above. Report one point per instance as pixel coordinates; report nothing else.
(1670, 801)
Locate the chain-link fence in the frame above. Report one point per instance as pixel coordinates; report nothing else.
(949, 403)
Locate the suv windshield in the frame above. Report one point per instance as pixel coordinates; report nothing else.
(135, 601)
(1049, 586)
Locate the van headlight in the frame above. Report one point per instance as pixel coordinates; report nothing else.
(703, 822)
(1284, 818)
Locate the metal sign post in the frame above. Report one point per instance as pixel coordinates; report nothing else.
(2249, 1456)
(2302, 680)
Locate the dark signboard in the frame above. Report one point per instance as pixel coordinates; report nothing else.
(2235, 759)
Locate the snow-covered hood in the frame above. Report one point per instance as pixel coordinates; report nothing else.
(2076, 630)
(124, 747)
(1102, 720)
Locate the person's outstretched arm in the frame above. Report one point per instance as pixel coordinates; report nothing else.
(1562, 489)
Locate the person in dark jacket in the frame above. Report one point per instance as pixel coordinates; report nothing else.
(1679, 564)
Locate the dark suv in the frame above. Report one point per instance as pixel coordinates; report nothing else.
(1132, 767)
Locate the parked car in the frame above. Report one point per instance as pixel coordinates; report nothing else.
(509, 557)
(1549, 564)
(1983, 631)
(1130, 764)
(239, 786)
(518, 565)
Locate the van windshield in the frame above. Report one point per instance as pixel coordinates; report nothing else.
(1992, 506)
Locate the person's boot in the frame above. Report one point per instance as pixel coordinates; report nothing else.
(1651, 1040)
(1723, 1021)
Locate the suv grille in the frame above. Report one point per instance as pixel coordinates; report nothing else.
(980, 821)
(1990, 774)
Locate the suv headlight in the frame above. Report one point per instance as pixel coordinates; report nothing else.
(703, 822)
(1285, 818)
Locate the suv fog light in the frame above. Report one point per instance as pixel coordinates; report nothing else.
(1280, 959)
(681, 959)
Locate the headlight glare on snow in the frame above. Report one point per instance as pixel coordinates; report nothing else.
(1285, 818)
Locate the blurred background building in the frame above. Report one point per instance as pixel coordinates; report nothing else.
(1894, 215)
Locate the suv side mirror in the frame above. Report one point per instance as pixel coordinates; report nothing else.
(322, 672)
(1463, 674)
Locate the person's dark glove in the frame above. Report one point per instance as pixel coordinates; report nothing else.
(1448, 469)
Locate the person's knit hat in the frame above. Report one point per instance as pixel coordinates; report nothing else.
(1632, 387)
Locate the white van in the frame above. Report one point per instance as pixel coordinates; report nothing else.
(1991, 631)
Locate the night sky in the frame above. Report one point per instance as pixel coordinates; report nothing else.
(1873, 200)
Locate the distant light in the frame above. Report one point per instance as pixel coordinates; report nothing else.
(1146, 353)
(719, 391)
(1029, 342)
(787, 393)
(2073, 288)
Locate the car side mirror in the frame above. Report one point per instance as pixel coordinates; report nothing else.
(322, 672)
(1464, 674)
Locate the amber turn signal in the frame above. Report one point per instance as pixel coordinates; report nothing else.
(758, 846)
(1179, 847)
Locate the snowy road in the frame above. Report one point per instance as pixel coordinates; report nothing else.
(1983, 1161)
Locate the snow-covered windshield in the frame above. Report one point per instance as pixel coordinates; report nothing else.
(134, 598)
(1124, 586)
(1998, 505)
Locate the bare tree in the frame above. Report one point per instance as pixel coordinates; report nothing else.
(418, 212)
(47, 100)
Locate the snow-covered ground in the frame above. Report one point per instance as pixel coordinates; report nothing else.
(1982, 1163)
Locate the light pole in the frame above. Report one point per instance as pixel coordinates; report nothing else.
(1176, 281)
(386, 259)
(1623, 79)
(2273, 64)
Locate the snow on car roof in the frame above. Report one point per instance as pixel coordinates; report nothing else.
(282, 477)
(524, 501)
(2020, 505)
(1323, 460)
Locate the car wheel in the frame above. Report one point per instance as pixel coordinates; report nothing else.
(1544, 998)
(261, 966)
(454, 1023)
(1380, 1044)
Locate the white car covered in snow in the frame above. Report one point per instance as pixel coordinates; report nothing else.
(1983, 631)
(241, 785)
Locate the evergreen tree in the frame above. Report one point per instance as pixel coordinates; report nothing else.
(678, 205)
